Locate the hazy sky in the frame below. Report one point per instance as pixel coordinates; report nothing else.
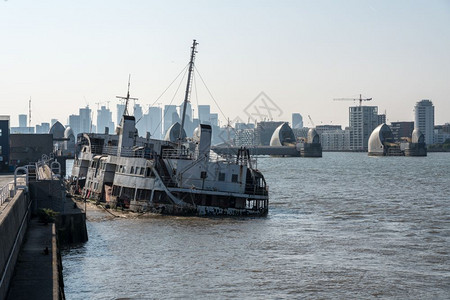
(302, 54)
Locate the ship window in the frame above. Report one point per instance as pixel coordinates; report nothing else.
(132, 170)
(142, 171)
(221, 176)
(234, 178)
(137, 170)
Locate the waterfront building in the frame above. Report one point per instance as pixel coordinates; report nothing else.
(441, 133)
(85, 119)
(104, 120)
(424, 119)
(402, 130)
(335, 140)
(245, 137)
(297, 121)
(28, 148)
(362, 120)
(4, 143)
(324, 128)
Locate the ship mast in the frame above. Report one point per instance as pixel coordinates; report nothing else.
(127, 98)
(188, 87)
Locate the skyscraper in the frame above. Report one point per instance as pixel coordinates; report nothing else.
(22, 120)
(170, 111)
(297, 120)
(85, 119)
(104, 120)
(204, 112)
(154, 122)
(140, 124)
(424, 119)
(74, 123)
(214, 118)
(362, 120)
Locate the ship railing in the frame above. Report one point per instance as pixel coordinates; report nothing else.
(178, 154)
(6, 192)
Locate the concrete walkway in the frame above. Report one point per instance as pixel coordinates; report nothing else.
(33, 277)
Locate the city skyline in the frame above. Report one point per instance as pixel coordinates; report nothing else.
(395, 52)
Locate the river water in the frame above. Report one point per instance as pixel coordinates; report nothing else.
(344, 226)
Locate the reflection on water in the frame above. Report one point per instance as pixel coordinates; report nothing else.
(343, 226)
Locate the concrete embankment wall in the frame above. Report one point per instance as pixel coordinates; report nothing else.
(71, 228)
(13, 225)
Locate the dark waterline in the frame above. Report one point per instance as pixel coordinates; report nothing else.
(342, 226)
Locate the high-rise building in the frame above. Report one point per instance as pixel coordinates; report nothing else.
(85, 119)
(362, 120)
(22, 120)
(170, 111)
(104, 120)
(381, 119)
(140, 124)
(153, 121)
(424, 119)
(214, 119)
(335, 140)
(74, 123)
(297, 121)
(204, 112)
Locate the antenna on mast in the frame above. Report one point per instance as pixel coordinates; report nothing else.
(188, 87)
(127, 98)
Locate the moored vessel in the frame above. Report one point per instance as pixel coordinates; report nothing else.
(177, 175)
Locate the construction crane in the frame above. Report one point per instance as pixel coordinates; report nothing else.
(360, 99)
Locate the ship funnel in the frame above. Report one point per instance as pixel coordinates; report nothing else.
(203, 136)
